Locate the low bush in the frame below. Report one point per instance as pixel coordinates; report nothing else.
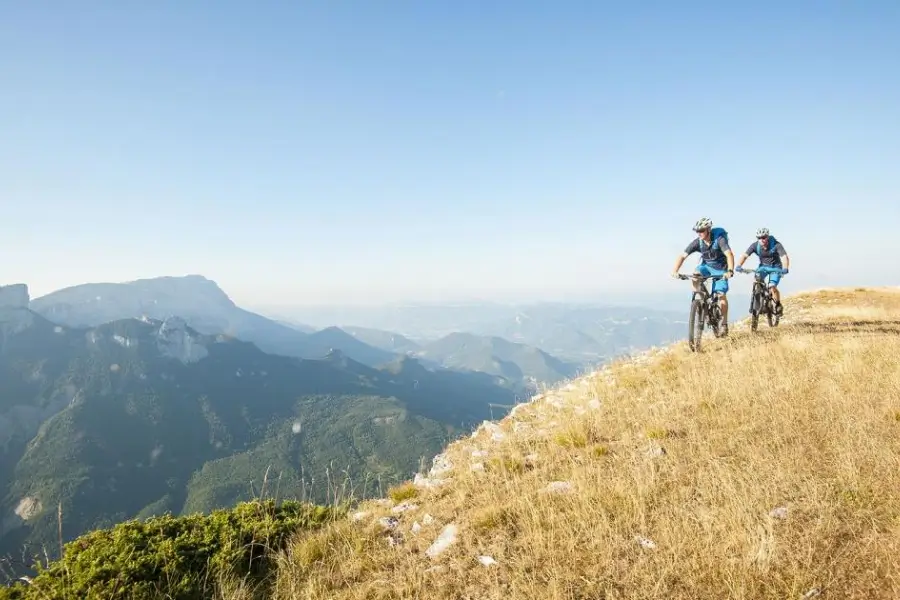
(177, 558)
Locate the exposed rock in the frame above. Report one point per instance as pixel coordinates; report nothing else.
(174, 340)
(779, 513)
(14, 314)
(14, 296)
(645, 542)
(559, 487)
(427, 482)
(443, 541)
(441, 464)
(28, 507)
(123, 341)
(404, 506)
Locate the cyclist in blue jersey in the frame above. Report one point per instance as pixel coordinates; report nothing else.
(716, 260)
(770, 253)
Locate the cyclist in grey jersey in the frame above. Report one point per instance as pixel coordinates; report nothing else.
(773, 261)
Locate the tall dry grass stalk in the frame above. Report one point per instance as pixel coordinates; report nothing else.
(767, 466)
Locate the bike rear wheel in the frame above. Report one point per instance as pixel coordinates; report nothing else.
(714, 315)
(696, 324)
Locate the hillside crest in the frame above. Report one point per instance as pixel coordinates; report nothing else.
(757, 468)
(762, 467)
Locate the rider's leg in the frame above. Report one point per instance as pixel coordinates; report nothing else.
(774, 279)
(721, 286)
(723, 304)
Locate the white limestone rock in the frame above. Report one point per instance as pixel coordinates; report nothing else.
(14, 296)
(174, 340)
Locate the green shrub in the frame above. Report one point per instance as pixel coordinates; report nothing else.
(178, 558)
(404, 491)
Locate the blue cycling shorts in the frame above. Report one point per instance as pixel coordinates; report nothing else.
(774, 274)
(720, 285)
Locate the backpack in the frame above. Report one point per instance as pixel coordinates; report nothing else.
(772, 242)
(714, 236)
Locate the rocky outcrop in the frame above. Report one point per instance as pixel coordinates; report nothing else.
(14, 296)
(174, 340)
(14, 313)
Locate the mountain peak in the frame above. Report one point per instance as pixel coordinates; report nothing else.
(193, 285)
(14, 296)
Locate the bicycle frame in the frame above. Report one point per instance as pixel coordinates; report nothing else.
(705, 294)
(704, 309)
(761, 299)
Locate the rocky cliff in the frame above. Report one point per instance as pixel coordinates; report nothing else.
(14, 296)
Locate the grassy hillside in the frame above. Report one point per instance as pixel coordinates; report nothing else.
(767, 466)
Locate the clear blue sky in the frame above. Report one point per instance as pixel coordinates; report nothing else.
(315, 152)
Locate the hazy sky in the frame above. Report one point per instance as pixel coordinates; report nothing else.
(314, 152)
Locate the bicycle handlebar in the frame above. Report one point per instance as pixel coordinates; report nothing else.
(698, 276)
(764, 271)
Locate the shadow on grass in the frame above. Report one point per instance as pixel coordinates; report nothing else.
(855, 327)
(711, 344)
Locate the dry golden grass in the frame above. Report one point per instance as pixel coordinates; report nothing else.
(690, 451)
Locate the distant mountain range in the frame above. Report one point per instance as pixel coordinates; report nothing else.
(138, 416)
(582, 334)
(206, 308)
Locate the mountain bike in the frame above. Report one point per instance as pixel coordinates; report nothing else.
(705, 310)
(761, 299)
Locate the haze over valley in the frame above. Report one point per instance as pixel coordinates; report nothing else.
(134, 399)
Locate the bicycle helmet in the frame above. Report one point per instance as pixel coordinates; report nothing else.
(704, 223)
(762, 232)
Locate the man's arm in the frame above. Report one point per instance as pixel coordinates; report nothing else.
(750, 250)
(785, 259)
(729, 255)
(691, 248)
(678, 262)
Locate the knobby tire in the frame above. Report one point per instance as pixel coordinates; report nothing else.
(695, 324)
(755, 305)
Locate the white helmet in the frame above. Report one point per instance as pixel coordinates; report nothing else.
(761, 232)
(704, 223)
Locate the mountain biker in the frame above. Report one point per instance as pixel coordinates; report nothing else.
(770, 253)
(717, 260)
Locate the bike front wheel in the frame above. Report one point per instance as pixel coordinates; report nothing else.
(755, 305)
(695, 324)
